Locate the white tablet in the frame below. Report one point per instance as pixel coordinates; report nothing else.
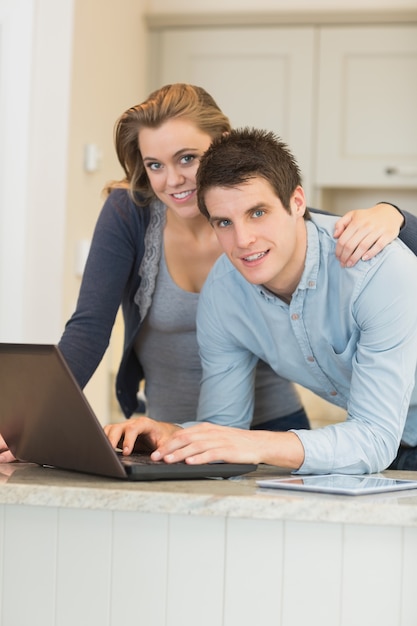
(339, 483)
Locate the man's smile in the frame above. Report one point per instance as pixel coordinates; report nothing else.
(256, 256)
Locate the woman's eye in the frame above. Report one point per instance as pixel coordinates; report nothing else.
(154, 166)
(187, 158)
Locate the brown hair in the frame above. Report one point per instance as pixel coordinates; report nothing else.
(244, 154)
(170, 101)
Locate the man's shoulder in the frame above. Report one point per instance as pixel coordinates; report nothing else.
(223, 269)
(223, 277)
(324, 222)
(324, 225)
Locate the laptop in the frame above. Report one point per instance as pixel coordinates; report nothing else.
(343, 484)
(46, 419)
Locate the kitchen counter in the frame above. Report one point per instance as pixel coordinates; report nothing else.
(28, 484)
(80, 549)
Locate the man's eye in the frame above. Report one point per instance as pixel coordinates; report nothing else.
(223, 223)
(258, 213)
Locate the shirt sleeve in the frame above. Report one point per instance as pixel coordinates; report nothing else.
(408, 233)
(383, 375)
(228, 378)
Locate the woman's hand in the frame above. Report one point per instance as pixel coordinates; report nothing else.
(139, 434)
(363, 233)
(5, 455)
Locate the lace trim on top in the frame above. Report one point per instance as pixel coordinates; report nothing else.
(148, 270)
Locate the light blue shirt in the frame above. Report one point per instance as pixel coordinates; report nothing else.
(349, 335)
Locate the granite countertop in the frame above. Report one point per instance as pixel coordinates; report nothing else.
(28, 484)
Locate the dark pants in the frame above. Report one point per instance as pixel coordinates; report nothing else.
(298, 420)
(406, 459)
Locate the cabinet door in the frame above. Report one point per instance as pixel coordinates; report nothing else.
(367, 107)
(260, 77)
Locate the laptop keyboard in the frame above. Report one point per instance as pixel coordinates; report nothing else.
(138, 459)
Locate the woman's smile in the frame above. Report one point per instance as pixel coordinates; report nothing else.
(171, 155)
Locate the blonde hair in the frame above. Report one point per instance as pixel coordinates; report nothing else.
(170, 101)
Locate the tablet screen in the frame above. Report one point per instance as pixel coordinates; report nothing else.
(339, 483)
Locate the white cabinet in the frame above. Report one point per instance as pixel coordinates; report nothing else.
(367, 107)
(344, 98)
(261, 77)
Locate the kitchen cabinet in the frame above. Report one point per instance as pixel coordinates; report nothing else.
(261, 77)
(344, 98)
(367, 107)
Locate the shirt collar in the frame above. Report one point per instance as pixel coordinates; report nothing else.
(311, 268)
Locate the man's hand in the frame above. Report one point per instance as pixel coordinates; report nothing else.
(5, 455)
(141, 433)
(363, 233)
(207, 443)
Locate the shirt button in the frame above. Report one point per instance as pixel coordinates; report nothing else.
(295, 316)
(310, 359)
(311, 283)
(333, 393)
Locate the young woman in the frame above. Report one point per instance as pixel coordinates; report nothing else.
(151, 253)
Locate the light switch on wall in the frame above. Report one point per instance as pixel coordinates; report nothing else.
(92, 157)
(82, 248)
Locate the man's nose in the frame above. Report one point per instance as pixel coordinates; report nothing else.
(244, 236)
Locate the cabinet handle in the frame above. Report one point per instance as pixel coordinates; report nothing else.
(405, 170)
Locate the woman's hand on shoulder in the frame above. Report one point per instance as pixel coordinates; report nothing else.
(362, 233)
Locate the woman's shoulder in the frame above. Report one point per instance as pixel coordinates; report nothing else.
(121, 196)
(122, 205)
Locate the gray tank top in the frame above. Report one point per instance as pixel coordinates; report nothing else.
(168, 352)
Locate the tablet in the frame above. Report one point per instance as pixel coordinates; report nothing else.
(348, 485)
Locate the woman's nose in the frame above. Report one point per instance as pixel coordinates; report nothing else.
(175, 177)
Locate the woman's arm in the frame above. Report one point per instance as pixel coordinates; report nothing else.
(112, 259)
(408, 232)
(363, 233)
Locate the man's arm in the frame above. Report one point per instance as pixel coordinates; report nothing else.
(227, 389)
(384, 365)
(383, 375)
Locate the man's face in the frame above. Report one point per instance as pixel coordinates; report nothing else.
(265, 242)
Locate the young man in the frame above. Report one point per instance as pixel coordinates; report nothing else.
(279, 294)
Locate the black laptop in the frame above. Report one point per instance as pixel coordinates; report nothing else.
(45, 418)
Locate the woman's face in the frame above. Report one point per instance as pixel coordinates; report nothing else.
(171, 156)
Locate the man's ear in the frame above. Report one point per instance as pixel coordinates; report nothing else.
(298, 202)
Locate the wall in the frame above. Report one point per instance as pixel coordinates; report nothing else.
(108, 76)
(35, 49)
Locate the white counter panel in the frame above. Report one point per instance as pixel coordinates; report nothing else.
(226, 555)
